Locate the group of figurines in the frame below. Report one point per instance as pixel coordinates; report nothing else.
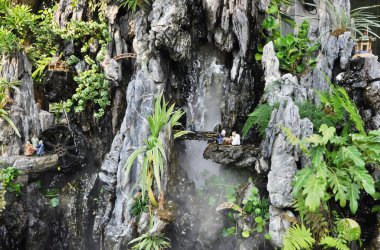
(36, 146)
(233, 140)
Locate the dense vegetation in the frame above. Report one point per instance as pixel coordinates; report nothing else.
(40, 36)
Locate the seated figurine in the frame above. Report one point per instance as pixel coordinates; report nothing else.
(235, 139)
(221, 137)
(40, 148)
(29, 150)
(34, 142)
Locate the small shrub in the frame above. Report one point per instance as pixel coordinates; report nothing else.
(93, 88)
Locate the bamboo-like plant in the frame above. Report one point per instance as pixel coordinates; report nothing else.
(153, 165)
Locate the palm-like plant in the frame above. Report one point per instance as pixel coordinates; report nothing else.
(151, 242)
(153, 164)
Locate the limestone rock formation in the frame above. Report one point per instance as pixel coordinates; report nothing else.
(243, 156)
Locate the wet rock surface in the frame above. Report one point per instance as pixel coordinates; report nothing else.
(243, 156)
(31, 164)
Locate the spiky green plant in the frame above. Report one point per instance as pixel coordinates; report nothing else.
(5, 86)
(358, 20)
(132, 4)
(154, 152)
(150, 242)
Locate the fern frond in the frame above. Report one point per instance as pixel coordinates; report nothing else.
(348, 229)
(260, 118)
(297, 238)
(331, 242)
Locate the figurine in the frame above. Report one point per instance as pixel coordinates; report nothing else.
(221, 136)
(29, 150)
(235, 139)
(35, 142)
(192, 126)
(40, 148)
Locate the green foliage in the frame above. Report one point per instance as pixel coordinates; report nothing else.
(260, 118)
(9, 43)
(359, 20)
(85, 33)
(228, 231)
(132, 4)
(294, 52)
(316, 114)
(8, 176)
(72, 60)
(92, 89)
(139, 205)
(20, 20)
(337, 169)
(347, 230)
(253, 214)
(150, 242)
(5, 88)
(342, 108)
(54, 202)
(8, 183)
(16, 23)
(297, 238)
(154, 152)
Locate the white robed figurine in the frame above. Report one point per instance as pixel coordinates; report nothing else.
(235, 139)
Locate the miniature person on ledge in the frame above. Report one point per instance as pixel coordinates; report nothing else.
(235, 139)
(40, 148)
(192, 126)
(29, 150)
(34, 142)
(221, 136)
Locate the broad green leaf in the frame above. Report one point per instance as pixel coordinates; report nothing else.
(353, 195)
(362, 177)
(301, 179)
(258, 57)
(314, 192)
(327, 132)
(245, 234)
(353, 154)
(338, 182)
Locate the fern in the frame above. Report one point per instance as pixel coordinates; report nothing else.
(316, 114)
(330, 242)
(342, 106)
(260, 118)
(348, 229)
(298, 237)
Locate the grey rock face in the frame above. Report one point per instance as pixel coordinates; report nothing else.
(112, 70)
(167, 19)
(286, 86)
(66, 11)
(24, 111)
(278, 224)
(114, 218)
(243, 156)
(271, 64)
(283, 164)
(240, 24)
